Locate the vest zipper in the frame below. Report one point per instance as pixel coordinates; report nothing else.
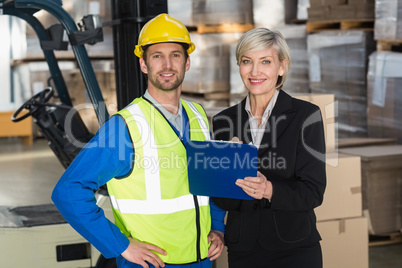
(197, 222)
(196, 205)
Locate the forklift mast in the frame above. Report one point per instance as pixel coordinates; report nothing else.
(128, 18)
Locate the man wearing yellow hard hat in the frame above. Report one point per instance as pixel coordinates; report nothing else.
(140, 153)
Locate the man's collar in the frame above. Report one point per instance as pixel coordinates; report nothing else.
(165, 112)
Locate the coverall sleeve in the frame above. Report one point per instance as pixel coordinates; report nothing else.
(108, 155)
(217, 217)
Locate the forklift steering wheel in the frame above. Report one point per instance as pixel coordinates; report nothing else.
(33, 104)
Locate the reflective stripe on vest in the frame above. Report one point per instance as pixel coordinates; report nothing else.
(200, 120)
(147, 207)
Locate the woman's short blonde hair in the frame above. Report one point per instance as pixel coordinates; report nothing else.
(263, 38)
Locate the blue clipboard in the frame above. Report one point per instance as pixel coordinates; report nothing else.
(214, 166)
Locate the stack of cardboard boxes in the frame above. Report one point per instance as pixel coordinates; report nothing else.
(340, 218)
(338, 65)
(384, 98)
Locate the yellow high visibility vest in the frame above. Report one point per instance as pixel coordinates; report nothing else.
(153, 203)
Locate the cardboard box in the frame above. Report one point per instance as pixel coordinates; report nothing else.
(344, 243)
(381, 186)
(21, 129)
(338, 65)
(343, 197)
(326, 103)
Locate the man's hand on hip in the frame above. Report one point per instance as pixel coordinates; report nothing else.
(140, 253)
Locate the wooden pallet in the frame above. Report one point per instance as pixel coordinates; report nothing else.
(389, 45)
(388, 239)
(324, 25)
(224, 28)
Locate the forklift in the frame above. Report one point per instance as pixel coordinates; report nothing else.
(38, 236)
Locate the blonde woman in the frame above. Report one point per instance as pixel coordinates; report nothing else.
(277, 228)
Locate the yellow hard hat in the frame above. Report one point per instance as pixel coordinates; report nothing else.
(161, 29)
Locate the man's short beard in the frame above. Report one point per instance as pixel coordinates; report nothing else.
(158, 85)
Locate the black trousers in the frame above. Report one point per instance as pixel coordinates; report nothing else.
(303, 257)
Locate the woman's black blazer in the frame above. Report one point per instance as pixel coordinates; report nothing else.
(292, 157)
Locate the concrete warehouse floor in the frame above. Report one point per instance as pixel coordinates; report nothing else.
(29, 173)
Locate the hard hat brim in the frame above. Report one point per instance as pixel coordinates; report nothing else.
(138, 51)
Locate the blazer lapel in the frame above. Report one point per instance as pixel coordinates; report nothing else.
(278, 121)
(246, 135)
(244, 127)
(239, 126)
